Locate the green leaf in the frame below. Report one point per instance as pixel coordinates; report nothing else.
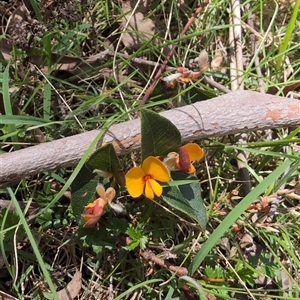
(134, 232)
(106, 159)
(143, 242)
(209, 272)
(216, 272)
(96, 239)
(9, 219)
(186, 198)
(116, 226)
(159, 135)
(132, 245)
(83, 190)
(137, 236)
(246, 274)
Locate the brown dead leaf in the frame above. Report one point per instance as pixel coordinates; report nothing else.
(285, 280)
(138, 30)
(293, 87)
(246, 241)
(203, 61)
(217, 61)
(5, 49)
(72, 289)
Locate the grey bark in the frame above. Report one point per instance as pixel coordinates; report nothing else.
(236, 112)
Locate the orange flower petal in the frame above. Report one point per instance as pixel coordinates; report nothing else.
(153, 188)
(192, 169)
(94, 210)
(194, 150)
(156, 187)
(89, 208)
(95, 207)
(98, 208)
(91, 220)
(134, 181)
(149, 193)
(154, 167)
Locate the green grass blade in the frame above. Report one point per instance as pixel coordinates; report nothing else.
(7, 106)
(137, 286)
(22, 120)
(33, 243)
(196, 285)
(47, 101)
(288, 35)
(36, 8)
(234, 214)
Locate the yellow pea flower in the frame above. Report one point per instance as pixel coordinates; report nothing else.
(94, 211)
(143, 179)
(183, 159)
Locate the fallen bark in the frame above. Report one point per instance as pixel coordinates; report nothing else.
(236, 112)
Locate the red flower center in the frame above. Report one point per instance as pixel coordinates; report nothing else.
(147, 177)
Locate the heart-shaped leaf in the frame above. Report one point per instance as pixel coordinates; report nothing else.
(106, 159)
(186, 198)
(83, 190)
(159, 135)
